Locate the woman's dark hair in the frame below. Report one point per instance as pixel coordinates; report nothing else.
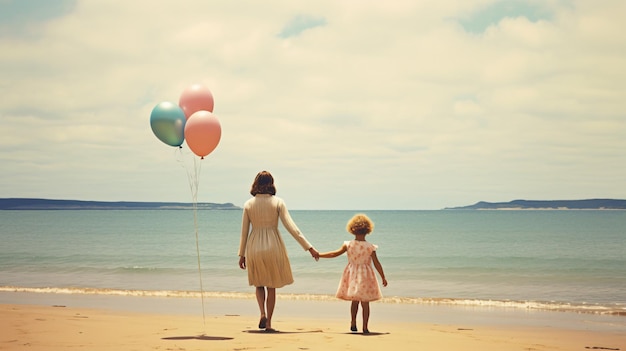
(263, 184)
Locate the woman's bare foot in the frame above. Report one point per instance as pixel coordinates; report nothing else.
(263, 322)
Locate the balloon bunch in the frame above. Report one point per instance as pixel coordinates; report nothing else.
(192, 120)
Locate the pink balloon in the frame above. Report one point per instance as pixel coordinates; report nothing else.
(196, 98)
(202, 132)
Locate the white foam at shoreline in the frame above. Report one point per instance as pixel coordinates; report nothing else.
(616, 310)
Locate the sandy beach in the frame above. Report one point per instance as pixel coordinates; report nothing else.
(57, 322)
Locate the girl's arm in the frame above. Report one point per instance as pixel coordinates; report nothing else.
(379, 267)
(335, 253)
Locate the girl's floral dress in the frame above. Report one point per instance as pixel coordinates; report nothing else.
(359, 282)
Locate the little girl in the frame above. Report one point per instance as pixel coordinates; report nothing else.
(358, 282)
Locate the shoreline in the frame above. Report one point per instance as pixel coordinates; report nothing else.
(245, 305)
(120, 324)
(615, 309)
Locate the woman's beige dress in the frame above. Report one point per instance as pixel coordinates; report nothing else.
(261, 243)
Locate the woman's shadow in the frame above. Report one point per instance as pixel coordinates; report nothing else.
(274, 331)
(309, 331)
(197, 337)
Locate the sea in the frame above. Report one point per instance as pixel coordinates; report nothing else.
(549, 260)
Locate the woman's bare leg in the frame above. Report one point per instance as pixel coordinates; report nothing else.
(271, 303)
(260, 299)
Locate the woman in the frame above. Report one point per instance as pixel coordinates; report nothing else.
(262, 250)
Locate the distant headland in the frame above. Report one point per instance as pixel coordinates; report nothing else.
(590, 204)
(49, 204)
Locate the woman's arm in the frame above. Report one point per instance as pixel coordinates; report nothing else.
(293, 229)
(245, 230)
(291, 226)
(379, 267)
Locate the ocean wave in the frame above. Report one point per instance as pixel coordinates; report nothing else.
(614, 309)
(147, 270)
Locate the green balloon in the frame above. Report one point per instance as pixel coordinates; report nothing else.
(167, 121)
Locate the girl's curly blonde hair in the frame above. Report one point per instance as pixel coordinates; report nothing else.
(360, 224)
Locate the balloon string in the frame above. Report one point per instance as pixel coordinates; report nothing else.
(194, 191)
(194, 181)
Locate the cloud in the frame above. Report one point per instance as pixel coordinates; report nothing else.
(299, 24)
(25, 17)
(492, 13)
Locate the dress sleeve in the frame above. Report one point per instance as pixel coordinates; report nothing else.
(245, 230)
(291, 226)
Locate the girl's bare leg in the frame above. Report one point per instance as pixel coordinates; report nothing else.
(366, 315)
(354, 309)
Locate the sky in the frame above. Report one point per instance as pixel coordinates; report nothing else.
(351, 105)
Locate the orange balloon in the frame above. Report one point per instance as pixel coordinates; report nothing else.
(202, 133)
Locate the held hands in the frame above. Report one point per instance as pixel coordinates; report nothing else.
(384, 282)
(314, 253)
(242, 262)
